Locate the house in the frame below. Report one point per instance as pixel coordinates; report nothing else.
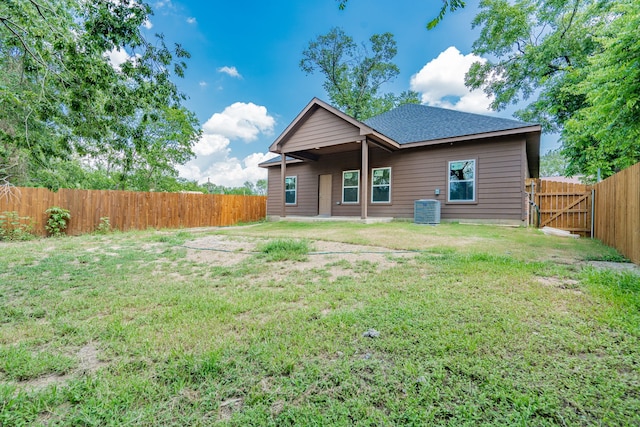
(331, 164)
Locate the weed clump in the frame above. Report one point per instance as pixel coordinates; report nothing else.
(285, 250)
(15, 227)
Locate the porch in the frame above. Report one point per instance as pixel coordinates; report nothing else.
(327, 218)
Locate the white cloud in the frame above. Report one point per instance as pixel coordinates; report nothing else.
(241, 121)
(147, 24)
(203, 84)
(214, 161)
(232, 71)
(118, 56)
(163, 3)
(191, 20)
(229, 171)
(441, 83)
(210, 144)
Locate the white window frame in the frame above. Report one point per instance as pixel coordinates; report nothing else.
(373, 185)
(474, 181)
(295, 190)
(351, 186)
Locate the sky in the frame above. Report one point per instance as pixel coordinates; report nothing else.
(245, 85)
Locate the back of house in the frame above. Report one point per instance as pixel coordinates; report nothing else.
(331, 164)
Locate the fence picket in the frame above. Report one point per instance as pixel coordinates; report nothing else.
(617, 207)
(562, 205)
(128, 210)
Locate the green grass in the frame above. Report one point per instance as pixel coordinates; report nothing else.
(485, 326)
(285, 250)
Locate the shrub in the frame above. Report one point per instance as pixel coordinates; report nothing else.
(58, 220)
(105, 225)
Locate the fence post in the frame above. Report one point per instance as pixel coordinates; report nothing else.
(593, 210)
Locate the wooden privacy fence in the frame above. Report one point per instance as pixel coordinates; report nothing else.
(562, 205)
(129, 210)
(617, 212)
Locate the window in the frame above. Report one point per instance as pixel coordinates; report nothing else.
(381, 185)
(290, 190)
(350, 186)
(462, 181)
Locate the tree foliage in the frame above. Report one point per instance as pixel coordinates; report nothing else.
(553, 163)
(605, 134)
(65, 101)
(355, 73)
(576, 62)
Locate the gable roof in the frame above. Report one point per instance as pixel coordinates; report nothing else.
(311, 107)
(418, 123)
(409, 126)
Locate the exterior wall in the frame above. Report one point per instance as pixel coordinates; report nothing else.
(415, 174)
(321, 129)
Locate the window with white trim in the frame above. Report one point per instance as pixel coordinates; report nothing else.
(351, 186)
(291, 190)
(381, 185)
(462, 181)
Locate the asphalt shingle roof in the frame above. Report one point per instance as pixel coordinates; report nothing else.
(416, 123)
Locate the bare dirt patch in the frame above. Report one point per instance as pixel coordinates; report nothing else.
(618, 266)
(222, 251)
(228, 407)
(334, 257)
(88, 362)
(561, 284)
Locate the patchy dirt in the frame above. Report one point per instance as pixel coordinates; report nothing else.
(334, 257)
(619, 266)
(228, 407)
(222, 251)
(569, 285)
(88, 362)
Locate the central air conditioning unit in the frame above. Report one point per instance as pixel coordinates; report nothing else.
(426, 211)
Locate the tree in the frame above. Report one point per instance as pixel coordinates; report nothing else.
(553, 163)
(64, 98)
(570, 57)
(354, 74)
(261, 187)
(604, 135)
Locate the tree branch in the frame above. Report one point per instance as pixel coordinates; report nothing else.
(9, 25)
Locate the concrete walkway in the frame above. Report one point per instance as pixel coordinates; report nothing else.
(293, 218)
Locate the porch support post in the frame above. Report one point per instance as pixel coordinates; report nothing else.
(283, 179)
(364, 184)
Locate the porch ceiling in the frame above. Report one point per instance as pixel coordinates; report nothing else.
(315, 153)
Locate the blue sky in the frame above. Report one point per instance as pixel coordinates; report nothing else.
(245, 85)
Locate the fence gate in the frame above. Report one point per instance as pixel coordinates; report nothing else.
(562, 205)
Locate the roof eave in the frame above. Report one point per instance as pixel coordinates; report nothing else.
(270, 163)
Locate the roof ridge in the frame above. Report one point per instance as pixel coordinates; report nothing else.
(409, 123)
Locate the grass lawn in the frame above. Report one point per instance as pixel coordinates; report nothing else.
(478, 325)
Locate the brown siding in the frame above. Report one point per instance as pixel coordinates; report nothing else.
(415, 174)
(321, 129)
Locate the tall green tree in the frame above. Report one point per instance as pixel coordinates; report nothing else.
(354, 74)
(604, 135)
(567, 59)
(64, 98)
(553, 163)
